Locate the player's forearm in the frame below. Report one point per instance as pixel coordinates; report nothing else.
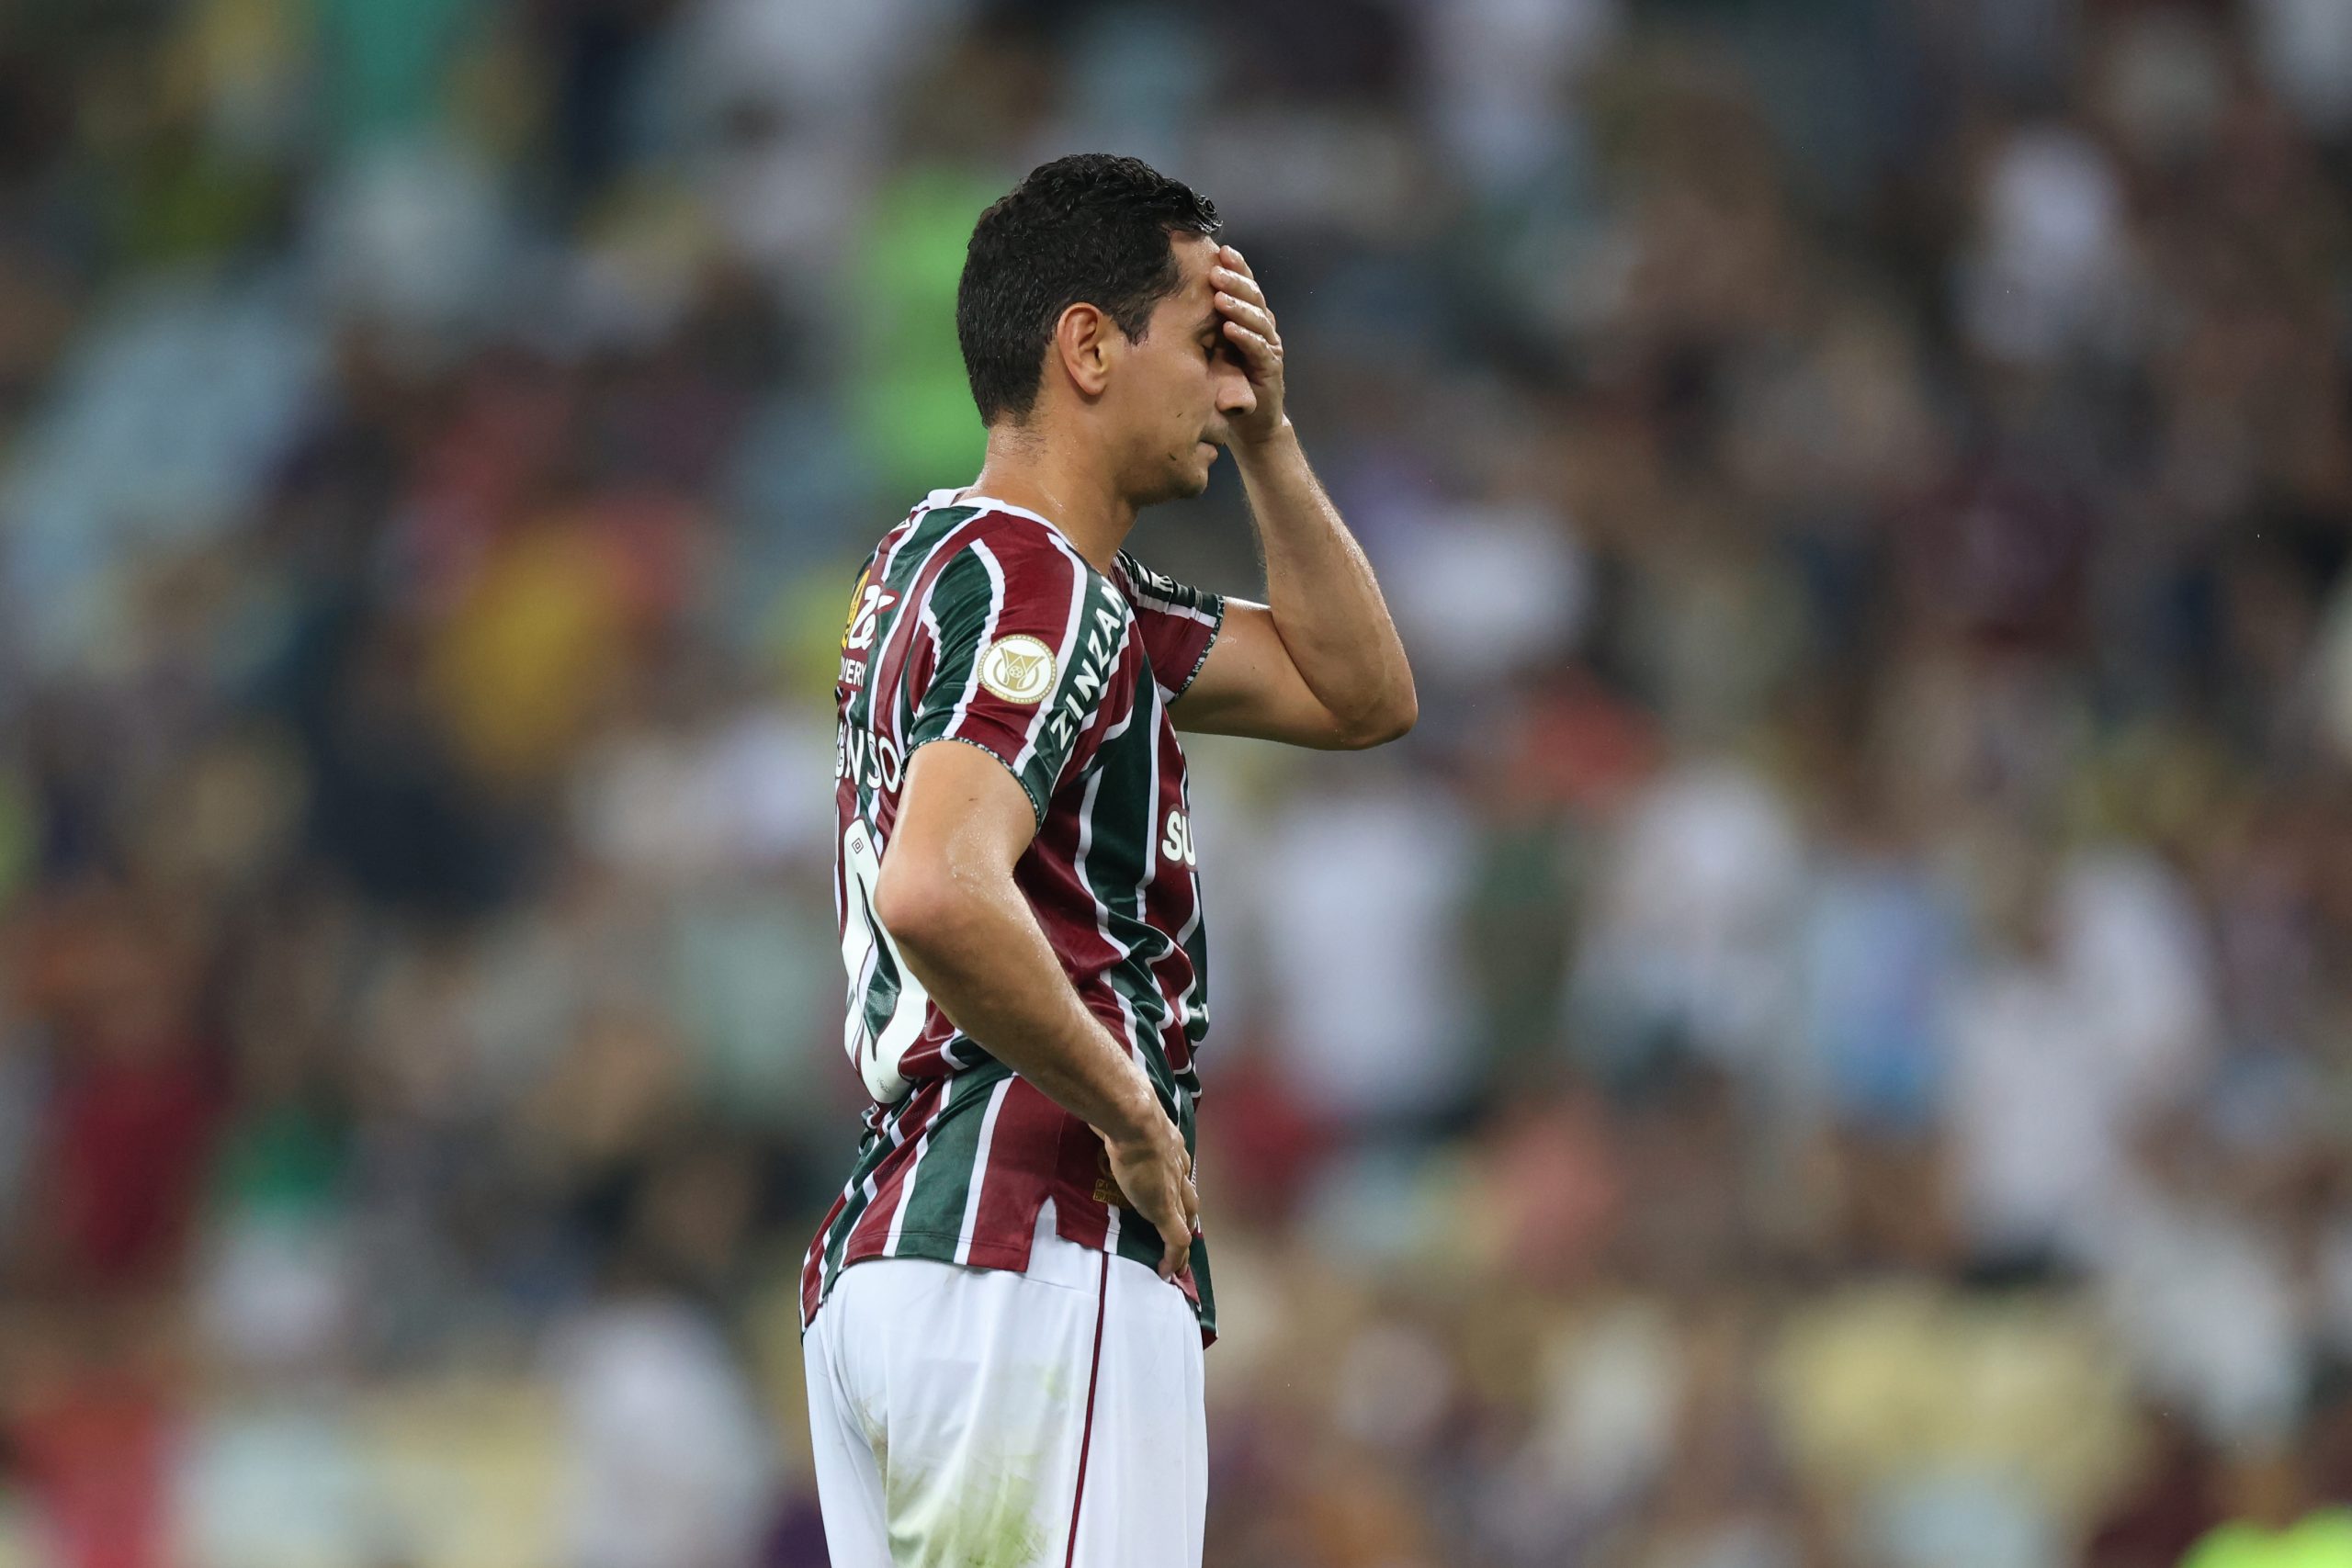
(1324, 599)
(970, 938)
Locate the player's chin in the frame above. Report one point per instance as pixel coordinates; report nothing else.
(1182, 482)
(1196, 476)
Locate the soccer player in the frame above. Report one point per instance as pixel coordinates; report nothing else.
(1004, 1311)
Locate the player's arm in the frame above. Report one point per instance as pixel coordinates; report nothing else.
(1318, 664)
(947, 898)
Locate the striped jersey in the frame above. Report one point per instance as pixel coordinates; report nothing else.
(977, 623)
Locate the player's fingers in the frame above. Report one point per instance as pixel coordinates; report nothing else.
(1174, 1221)
(1179, 1253)
(1257, 318)
(1243, 303)
(1236, 282)
(1263, 355)
(1248, 337)
(1175, 1248)
(1231, 257)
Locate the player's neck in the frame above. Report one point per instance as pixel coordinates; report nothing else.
(1085, 506)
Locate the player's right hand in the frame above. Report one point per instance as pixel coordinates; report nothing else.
(1155, 1173)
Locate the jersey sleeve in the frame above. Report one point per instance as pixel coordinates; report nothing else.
(1027, 643)
(1178, 625)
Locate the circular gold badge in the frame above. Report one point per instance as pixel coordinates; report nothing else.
(1018, 668)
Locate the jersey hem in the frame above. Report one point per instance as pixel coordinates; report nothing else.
(979, 1252)
(1012, 1256)
(1215, 631)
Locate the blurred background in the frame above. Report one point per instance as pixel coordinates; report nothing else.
(1830, 1047)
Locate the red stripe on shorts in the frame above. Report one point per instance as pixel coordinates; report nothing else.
(1086, 1438)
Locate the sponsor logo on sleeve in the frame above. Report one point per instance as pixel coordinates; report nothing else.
(1019, 669)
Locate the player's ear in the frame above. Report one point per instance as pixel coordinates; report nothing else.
(1083, 342)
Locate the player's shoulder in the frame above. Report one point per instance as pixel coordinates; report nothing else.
(1006, 552)
(1024, 539)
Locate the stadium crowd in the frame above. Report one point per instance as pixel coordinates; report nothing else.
(1830, 1047)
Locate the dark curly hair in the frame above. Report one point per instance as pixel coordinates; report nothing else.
(1090, 228)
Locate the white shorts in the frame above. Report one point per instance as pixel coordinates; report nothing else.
(975, 1416)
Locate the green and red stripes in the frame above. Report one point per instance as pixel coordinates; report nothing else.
(958, 1170)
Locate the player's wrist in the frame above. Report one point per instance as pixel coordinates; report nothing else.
(1137, 1124)
(1277, 434)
